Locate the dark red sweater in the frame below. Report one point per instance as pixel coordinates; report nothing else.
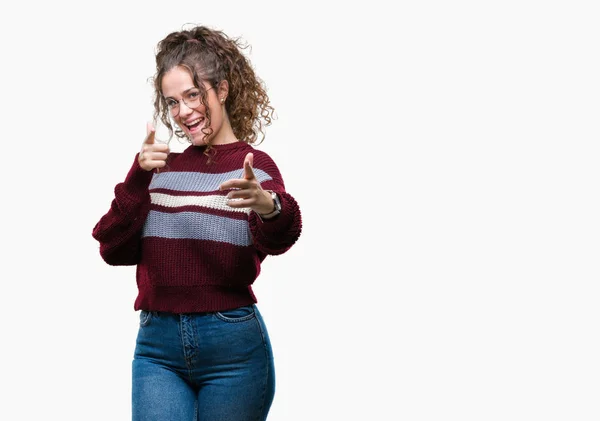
(193, 252)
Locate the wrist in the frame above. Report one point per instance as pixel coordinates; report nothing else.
(275, 210)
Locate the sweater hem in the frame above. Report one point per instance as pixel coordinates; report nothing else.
(193, 299)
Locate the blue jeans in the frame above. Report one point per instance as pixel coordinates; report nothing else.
(203, 367)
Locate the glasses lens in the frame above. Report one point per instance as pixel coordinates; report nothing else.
(192, 98)
(173, 108)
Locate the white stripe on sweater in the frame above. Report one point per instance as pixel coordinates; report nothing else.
(210, 201)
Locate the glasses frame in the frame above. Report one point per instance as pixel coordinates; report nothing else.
(179, 101)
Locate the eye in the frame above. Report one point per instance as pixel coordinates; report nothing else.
(193, 95)
(171, 102)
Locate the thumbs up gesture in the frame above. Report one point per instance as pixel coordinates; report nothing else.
(247, 190)
(153, 155)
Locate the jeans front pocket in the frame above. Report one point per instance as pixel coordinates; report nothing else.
(236, 315)
(145, 317)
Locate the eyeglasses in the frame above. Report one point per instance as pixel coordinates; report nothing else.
(190, 98)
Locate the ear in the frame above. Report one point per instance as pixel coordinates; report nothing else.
(223, 91)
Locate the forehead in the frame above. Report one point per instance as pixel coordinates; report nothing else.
(176, 81)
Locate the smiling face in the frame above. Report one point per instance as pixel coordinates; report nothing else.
(184, 101)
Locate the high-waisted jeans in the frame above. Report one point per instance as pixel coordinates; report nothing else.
(203, 367)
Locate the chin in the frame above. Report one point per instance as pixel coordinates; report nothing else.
(198, 140)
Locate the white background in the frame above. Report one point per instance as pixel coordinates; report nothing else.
(444, 154)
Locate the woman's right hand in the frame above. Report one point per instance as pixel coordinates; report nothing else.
(153, 155)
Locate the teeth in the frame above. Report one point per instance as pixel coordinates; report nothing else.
(191, 123)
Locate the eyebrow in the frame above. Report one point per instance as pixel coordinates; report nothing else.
(183, 93)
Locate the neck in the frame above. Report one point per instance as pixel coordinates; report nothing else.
(224, 136)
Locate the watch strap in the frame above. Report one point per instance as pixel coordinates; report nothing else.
(276, 204)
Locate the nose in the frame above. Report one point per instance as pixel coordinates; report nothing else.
(184, 110)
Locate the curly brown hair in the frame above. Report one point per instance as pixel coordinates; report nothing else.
(211, 56)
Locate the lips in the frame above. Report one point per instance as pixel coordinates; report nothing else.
(194, 125)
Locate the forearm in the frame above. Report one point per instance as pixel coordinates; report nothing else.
(119, 230)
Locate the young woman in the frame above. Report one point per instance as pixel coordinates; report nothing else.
(198, 224)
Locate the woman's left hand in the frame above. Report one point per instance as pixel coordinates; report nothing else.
(247, 191)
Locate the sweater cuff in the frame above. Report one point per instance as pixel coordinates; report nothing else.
(281, 222)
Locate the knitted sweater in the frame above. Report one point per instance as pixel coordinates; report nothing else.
(193, 252)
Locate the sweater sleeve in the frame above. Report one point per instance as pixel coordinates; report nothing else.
(277, 235)
(119, 230)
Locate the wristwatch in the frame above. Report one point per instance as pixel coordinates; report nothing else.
(277, 205)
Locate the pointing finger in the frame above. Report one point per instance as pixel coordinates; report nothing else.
(248, 173)
(150, 132)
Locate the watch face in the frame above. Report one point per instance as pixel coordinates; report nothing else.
(277, 202)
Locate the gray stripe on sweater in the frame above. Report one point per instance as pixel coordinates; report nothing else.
(197, 226)
(198, 181)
